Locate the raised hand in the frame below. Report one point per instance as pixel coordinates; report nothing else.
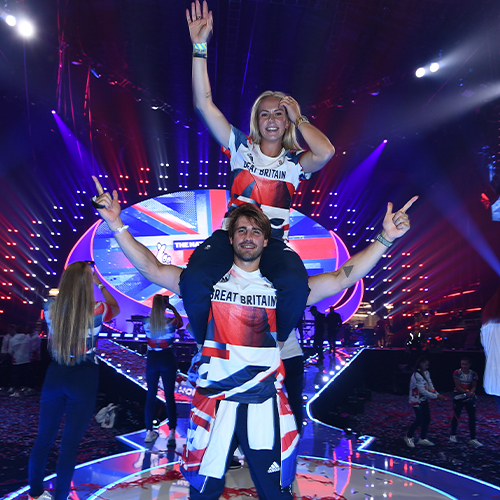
(292, 107)
(96, 279)
(200, 22)
(397, 224)
(111, 211)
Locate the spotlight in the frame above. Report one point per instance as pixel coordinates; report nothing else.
(434, 67)
(10, 20)
(26, 29)
(53, 111)
(420, 72)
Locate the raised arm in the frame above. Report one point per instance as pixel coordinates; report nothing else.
(359, 265)
(177, 319)
(109, 299)
(200, 23)
(140, 257)
(321, 149)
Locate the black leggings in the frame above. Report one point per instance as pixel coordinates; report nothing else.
(161, 363)
(213, 259)
(470, 406)
(422, 419)
(294, 381)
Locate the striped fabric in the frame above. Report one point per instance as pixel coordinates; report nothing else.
(240, 365)
(265, 181)
(165, 339)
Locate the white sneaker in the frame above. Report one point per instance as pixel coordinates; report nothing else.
(453, 439)
(151, 436)
(409, 442)
(475, 443)
(44, 496)
(425, 442)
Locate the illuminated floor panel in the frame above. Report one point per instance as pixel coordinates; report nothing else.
(330, 467)
(315, 479)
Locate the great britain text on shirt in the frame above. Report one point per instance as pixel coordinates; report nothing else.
(256, 300)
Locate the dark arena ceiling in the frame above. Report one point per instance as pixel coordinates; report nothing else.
(118, 74)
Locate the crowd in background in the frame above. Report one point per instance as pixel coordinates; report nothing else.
(20, 359)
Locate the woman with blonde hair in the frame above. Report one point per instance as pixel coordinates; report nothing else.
(266, 168)
(74, 320)
(161, 362)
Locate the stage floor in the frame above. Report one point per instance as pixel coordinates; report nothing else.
(330, 466)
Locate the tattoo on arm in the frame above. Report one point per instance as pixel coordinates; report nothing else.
(347, 270)
(208, 94)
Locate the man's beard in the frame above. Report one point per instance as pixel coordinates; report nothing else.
(247, 256)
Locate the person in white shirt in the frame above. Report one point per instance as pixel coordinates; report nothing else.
(421, 390)
(240, 370)
(19, 349)
(6, 360)
(490, 338)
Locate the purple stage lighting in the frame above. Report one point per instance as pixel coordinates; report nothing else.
(352, 186)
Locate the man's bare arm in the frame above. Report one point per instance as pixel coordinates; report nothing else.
(359, 265)
(140, 257)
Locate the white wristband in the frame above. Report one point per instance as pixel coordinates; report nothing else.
(120, 229)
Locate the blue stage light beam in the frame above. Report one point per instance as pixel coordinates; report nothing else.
(77, 151)
(351, 188)
(449, 204)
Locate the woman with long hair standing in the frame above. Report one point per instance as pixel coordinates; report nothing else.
(160, 332)
(74, 321)
(421, 390)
